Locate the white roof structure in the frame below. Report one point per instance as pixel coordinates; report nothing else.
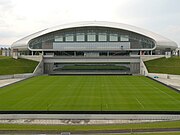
(161, 42)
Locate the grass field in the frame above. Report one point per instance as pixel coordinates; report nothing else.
(164, 65)
(99, 93)
(8, 65)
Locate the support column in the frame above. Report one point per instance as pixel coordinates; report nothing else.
(140, 53)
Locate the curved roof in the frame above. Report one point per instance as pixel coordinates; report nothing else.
(161, 41)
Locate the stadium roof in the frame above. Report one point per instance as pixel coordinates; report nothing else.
(161, 42)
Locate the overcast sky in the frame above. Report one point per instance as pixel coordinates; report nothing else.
(19, 18)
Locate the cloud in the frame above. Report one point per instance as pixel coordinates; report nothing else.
(6, 4)
(172, 32)
(19, 18)
(6, 7)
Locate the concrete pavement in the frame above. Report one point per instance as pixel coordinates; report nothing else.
(6, 82)
(175, 83)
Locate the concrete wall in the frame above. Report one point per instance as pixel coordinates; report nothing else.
(152, 75)
(150, 57)
(48, 68)
(2, 77)
(143, 69)
(135, 68)
(91, 116)
(27, 75)
(31, 57)
(164, 76)
(174, 77)
(39, 70)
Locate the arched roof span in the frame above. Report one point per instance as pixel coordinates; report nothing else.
(161, 42)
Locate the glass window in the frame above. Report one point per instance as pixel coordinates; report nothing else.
(124, 38)
(36, 46)
(102, 37)
(113, 37)
(91, 37)
(69, 37)
(80, 37)
(58, 38)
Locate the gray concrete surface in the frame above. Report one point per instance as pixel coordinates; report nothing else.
(175, 83)
(6, 82)
(72, 122)
(92, 116)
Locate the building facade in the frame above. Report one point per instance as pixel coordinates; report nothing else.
(92, 43)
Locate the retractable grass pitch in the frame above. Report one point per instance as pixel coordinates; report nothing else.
(89, 93)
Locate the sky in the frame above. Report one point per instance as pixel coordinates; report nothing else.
(19, 18)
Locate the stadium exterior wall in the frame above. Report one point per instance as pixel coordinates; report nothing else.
(92, 40)
(161, 42)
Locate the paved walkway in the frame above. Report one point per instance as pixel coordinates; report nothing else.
(5, 82)
(171, 82)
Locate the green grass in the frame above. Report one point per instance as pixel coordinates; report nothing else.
(9, 66)
(173, 124)
(163, 133)
(164, 65)
(99, 93)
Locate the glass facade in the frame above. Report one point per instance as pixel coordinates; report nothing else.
(113, 37)
(91, 36)
(69, 38)
(80, 37)
(58, 38)
(94, 35)
(102, 37)
(124, 38)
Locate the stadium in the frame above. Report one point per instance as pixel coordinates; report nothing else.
(82, 67)
(90, 77)
(92, 48)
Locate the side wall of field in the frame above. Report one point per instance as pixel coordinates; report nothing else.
(144, 71)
